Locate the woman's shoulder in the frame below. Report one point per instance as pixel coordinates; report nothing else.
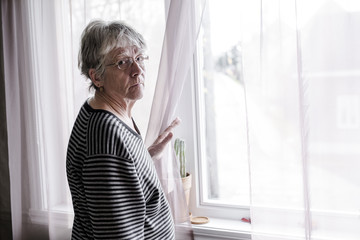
(102, 117)
(105, 134)
(105, 122)
(107, 118)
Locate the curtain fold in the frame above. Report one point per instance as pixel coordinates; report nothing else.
(37, 120)
(302, 95)
(14, 33)
(182, 26)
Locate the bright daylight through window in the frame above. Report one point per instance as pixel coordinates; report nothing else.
(224, 162)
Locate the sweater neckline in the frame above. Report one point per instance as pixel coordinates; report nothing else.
(91, 109)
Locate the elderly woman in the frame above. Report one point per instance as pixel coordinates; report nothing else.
(115, 191)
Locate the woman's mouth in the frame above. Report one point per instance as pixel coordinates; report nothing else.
(137, 84)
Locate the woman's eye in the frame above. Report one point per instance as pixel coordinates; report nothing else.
(121, 62)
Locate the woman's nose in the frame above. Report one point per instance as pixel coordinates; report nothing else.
(136, 69)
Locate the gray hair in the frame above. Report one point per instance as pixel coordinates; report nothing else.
(99, 38)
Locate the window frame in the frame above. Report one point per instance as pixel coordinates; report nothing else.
(190, 111)
(192, 129)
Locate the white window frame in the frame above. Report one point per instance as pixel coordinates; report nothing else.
(190, 111)
(225, 220)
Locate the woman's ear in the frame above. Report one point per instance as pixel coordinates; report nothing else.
(94, 77)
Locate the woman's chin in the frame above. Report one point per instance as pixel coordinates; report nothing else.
(137, 95)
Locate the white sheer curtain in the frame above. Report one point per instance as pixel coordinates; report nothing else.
(37, 104)
(182, 26)
(302, 77)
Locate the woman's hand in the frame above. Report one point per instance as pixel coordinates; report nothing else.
(157, 148)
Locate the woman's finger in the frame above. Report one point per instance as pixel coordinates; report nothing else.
(166, 139)
(163, 135)
(174, 123)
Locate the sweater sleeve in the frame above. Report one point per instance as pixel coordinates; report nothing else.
(114, 198)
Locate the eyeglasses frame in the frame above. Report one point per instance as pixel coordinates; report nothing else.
(132, 59)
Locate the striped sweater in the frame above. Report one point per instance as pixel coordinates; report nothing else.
(115, 191)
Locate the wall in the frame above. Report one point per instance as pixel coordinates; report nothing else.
(5, 207)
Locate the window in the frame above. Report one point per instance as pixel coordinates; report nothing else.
(221, 108)
(218, 154)
(333, 118)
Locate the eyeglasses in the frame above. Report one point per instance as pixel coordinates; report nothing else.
(126, 63)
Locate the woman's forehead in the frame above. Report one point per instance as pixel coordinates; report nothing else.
(127, 51)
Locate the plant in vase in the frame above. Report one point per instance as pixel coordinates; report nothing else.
(179, 147)
(186, 178)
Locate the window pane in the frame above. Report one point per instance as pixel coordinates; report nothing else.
(225, 166)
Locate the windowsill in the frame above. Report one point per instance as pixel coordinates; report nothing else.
(222, 229)
(61, 215)
(216, 228)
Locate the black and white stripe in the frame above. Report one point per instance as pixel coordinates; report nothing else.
(115, 190)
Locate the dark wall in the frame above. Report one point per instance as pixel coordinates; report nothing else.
(5, 207)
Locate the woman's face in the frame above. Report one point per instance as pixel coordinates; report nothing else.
(124, 84)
